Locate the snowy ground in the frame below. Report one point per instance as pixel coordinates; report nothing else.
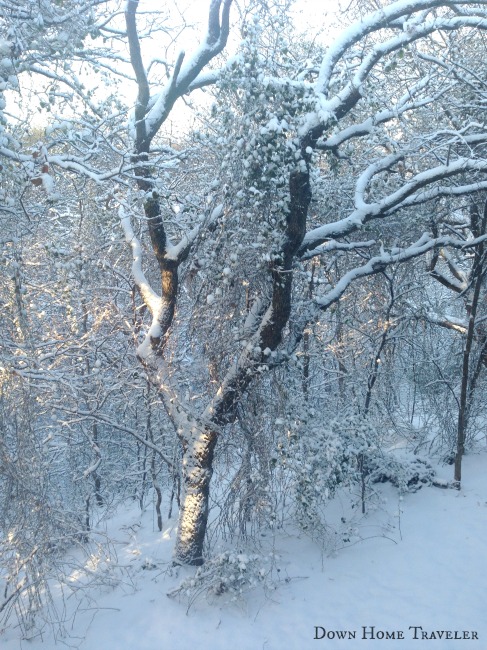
(420, 561)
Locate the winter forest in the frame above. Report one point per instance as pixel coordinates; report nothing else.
(243, 253)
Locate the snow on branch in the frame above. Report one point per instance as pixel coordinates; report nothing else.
(240, 372)
(100, 417)
(94, 466)
(333, 245)
(449, 283)
(364, 179)
(412, 192)
(447, 322)
(440, 191)
(161, 309)
(69, 163)
(187, 70)
(339, 104)
(179, 252)
(150, 297)
(70, 81)
(368, 126)
(384, 18)
(380, 262)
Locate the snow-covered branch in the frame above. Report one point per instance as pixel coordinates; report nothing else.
(419, 189)
(334, 245)
(334, 106)
(105, 419)
(188, 72)
(368, 126)
(151, 298)
(380, 262)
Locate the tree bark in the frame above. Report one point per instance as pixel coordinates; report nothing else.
(197, 471)
(468, 382)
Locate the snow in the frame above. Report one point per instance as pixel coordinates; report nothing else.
(151, 298)
(174, 251)
(417, 561)
(414, 29)
(216, 212)
(411, 193)
(5, 48)
(48, 185)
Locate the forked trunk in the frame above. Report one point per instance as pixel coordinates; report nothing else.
(193, 515)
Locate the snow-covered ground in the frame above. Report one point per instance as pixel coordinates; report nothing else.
(413, 566)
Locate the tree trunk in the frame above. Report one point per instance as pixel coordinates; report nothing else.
(193, 515)
(468, 382)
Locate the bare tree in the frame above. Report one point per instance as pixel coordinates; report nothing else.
(316, 155)
(337, 91)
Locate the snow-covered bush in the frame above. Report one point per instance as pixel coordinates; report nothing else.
(343, 452)
(323, 456)
(228, 575)
(407, 472)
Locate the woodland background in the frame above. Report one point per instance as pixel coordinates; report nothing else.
(260, 262)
